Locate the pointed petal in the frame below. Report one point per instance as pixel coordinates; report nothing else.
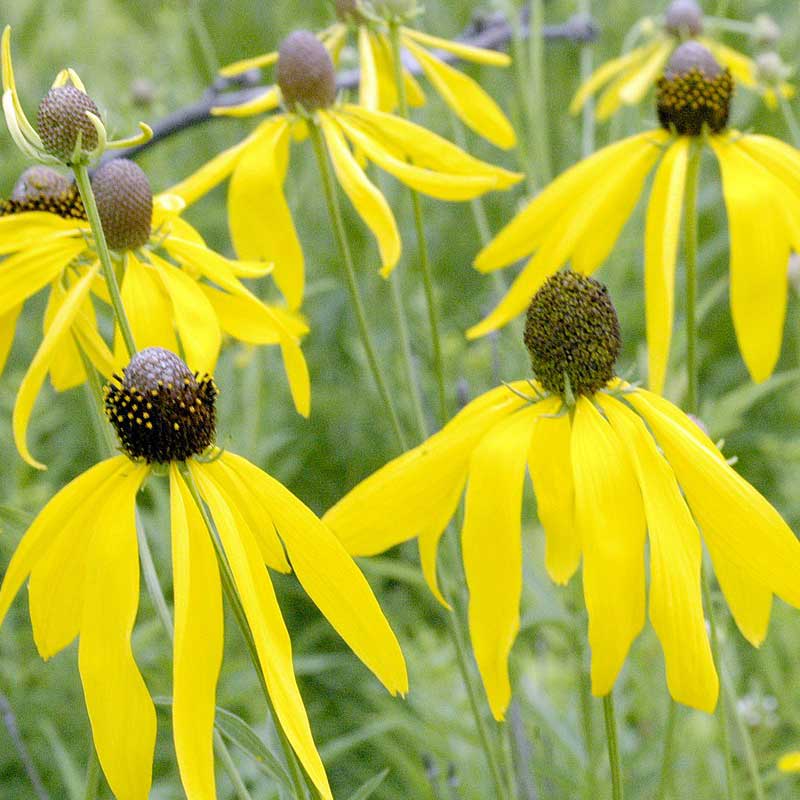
(644, 79)
(662, 234)
(492, 549)
(368, 86)
(466, 52)
(611, 521)
(8, 326)
(268, 100)
(294, 362)
(246, 64)
(20, 232)
(428, 541)
(66, 367)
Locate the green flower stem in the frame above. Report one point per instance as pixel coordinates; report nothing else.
(352, 284)
(525, 119)
(790, 117)
(586, 63)
(613, 747)
(541, 137)
(92, 786)
(690, 244)
(665, 783)
(87, 196)
(232, 596)
(422, 241)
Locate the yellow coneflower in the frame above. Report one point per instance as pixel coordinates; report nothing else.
(81, 556)
(306, 84)
(579, 216)
(610, 464)
(627, 80)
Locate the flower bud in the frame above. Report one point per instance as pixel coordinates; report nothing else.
(124, 202)
(684, 18)
(62, 119)
(305, 72)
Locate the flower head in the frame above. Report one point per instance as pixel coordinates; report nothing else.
(610, 469)
(353, 135)
(578, 218)
(174, 287)
(81, 556)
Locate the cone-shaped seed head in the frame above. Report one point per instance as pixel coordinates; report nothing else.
(43, 189)
(125, 202)
(61, 117)
(305, 72)
(161, 410)
(694, 91)
(572, 333)
(684, 17)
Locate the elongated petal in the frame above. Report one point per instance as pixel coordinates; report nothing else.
(611, 521)
(8, 326)
(259, 218)
(466, 52)
(210, 174)
(34, 377)
(468, 100)
(66, 366)
(37, 229)
(492, 549)
(269, 632)
(643, 79)
(550, 467)
(404, 498)
(266, 101)
(198, 641)
(676, 605)
(368, 85)
(429, 538)
(294, 362)
(329, 576)
(246, 64)
(200, 260)
(120, 709)
(662, 234)
(732, 515)
(370, 204)
(759, 253)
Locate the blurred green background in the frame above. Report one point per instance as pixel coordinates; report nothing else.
(143, 60)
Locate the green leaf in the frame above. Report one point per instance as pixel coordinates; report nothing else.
(367, 789)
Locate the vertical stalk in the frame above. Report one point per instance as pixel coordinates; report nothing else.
(790, 117)
(586, 59)
(335, 213)
(665, 782)
(92, 786)
(87, 196)
(613, 747)
(422, 240)
(541, 136)
(526, 122)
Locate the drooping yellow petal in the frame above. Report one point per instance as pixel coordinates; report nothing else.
(329, 575)
(8, 326)
(789, 762)
(37, 229)
(635, 87)
(266, 101)
(66, 366)
(429, 538)
(780, 158)
(468, 100)
(550, 468)
(198, 641)
(246, 64)
(269, 632)
(120, 710)
(611, 521)
(368, 85)
(294, 362)
(466, 52)
(492, 549)
(34, 377)
(258, 216)
(676, 605)
(760, 245)
(403, 498)
(662, 235)
(201, 261)
(368, 201)
(742, 68)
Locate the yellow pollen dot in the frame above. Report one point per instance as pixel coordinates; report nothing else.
(149, 425)
(176, 426)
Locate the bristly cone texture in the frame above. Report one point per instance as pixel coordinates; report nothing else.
(125, 203)
(694, 92)
(305, 73)
(62, 117)
(684, 18)
(43, 189)
(161, 411)
(572, 334)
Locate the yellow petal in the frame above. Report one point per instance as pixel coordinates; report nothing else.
(550, 467)
(742, 68)
(492, 549)
(37, 229)
(368, 86)
(266, 101)
(370, 204)
(466, 52)
(294, 362)
(120, 709)
(428, 541)
(611, 522)
(34, 377)
(662, 234)
(759, 254)
(246, 64)
(403, 498)
(8, 325)
(198, 641)
(255, 196)
(66, 366)
(49, 523)
(194, 316)
(468, 100)
(789, 762)
(269, 632)
(643, 79)
(780, 158)
(329, 575)
(676, 605)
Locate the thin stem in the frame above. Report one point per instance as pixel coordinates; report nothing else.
(665, 783)
(525, 124)
(92, 786)
(613, 747)
(352, 284)
(590, 777)
(232, 596)
(92, 214)
(541, 137)
(790, 117)
(690, 244)
(229, 765)
(586, 62)
(10, 722)
(422, 240)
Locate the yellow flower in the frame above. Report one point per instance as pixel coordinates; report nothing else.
(174, 287)
(81, 556)
(258, 165)
(579, 216)
(627, 80)
(610, 464)
(789, 762)
(378, 88)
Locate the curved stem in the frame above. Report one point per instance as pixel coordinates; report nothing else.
(613, 747)
(422, 240)
(352, 284)
(690, 244)
(665, 783)
(87, 196)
